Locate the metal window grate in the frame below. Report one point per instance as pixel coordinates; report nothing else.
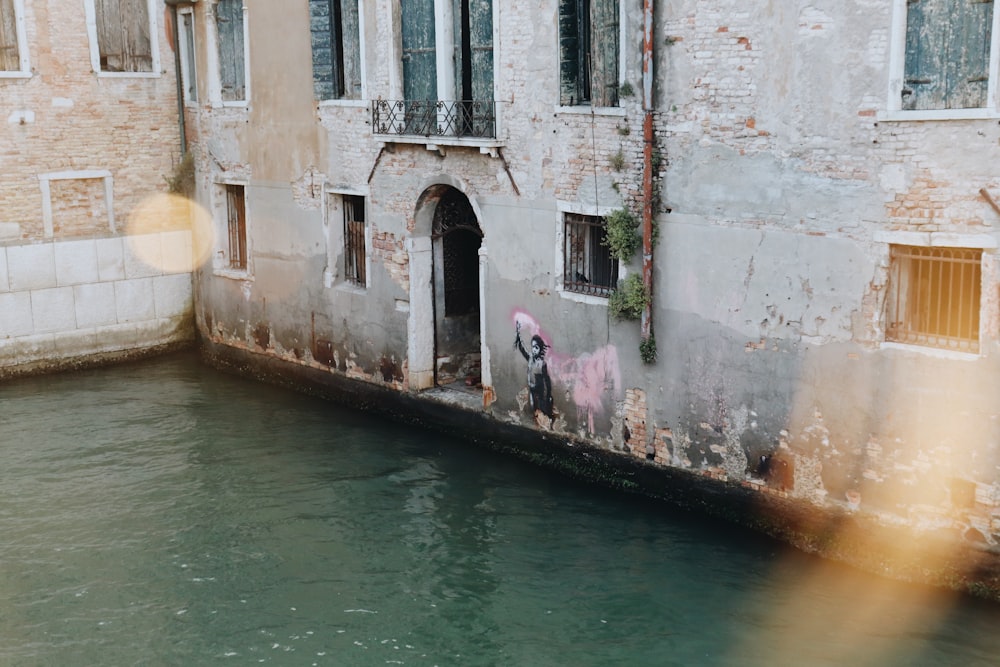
(236, 212)
(934, 297)
(588, 266)
(354, 239)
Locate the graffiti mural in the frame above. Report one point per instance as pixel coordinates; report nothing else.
(539, 382)
(592, 380)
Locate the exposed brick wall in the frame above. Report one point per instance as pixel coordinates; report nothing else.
(74, 120)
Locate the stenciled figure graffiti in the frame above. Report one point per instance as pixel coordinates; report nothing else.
(539, 382)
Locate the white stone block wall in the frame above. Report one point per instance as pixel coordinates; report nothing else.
(67, 300)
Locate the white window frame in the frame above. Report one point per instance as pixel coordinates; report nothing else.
(220, 216)
(95, 49)
(623, 43)
(333, 221)
(562, 208)
(188, 57)
(363, 100)
(897, 64)
(45, 182)
(984, 242)
(214, 72)
(24, 71)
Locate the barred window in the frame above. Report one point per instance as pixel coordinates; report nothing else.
(588, 266)
(237, 225)
(354, 239)
(933, 297)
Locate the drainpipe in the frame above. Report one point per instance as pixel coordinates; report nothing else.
(647, 165)
(175, 30)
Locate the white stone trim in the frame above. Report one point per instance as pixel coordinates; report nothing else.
(45, 181)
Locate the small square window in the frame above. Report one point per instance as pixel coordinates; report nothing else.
(588, 266)
(236, 214)
(354, 239)
(933, 297)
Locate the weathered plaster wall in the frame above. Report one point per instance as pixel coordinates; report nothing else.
(779, 179)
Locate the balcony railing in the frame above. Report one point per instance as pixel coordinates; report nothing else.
(435, 118)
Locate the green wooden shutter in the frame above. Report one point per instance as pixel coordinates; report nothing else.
(320, 30)
(419, 66)
(569, 52)
(232, 75)
(604, 53)
(350, 48)
(419, 53)
(481, 28)
(10, 57)
(947, 53)
(969, 60)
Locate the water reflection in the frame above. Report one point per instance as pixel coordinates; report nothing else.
(163, 514)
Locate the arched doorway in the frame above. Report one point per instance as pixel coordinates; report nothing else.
(456, 238)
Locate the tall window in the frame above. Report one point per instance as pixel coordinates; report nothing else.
(236, 214)
(948, 54)
(124, 36)
(588, 50)
(13, 53)
(230, 28)
(189, 71)
(336, 49)
(933, 297)
(588, 266)
(354, 239)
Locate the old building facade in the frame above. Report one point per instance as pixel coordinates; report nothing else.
(94, 259)
(419, 196)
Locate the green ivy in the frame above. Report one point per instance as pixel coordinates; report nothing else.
(629, 299)
(621, 237)
(647, 350)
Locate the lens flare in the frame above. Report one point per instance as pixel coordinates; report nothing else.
(171, 233)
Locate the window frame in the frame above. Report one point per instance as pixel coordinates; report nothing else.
(223, 262)
(90, 10)
(188, 45)
(897, 74)
(570, 103)
(335, 212)
(24, 60)
(361, 98)
(600, 295)
(215, 61)
(986, 244)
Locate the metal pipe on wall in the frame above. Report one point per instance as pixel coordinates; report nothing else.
(647, 165)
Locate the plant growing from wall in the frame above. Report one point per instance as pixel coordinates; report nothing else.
(618, 160)
(647, 350)
(621, 235)
(628, 299)
(181, 182)
(626, 90)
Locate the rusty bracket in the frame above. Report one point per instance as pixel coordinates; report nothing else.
(989, 199)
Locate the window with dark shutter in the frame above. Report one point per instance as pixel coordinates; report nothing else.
(947, 54)
(588, 52)
(10, 54)
(232, 74)
(123, 39)
(336, 49)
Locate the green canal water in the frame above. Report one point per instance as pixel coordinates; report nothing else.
(164, 514)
